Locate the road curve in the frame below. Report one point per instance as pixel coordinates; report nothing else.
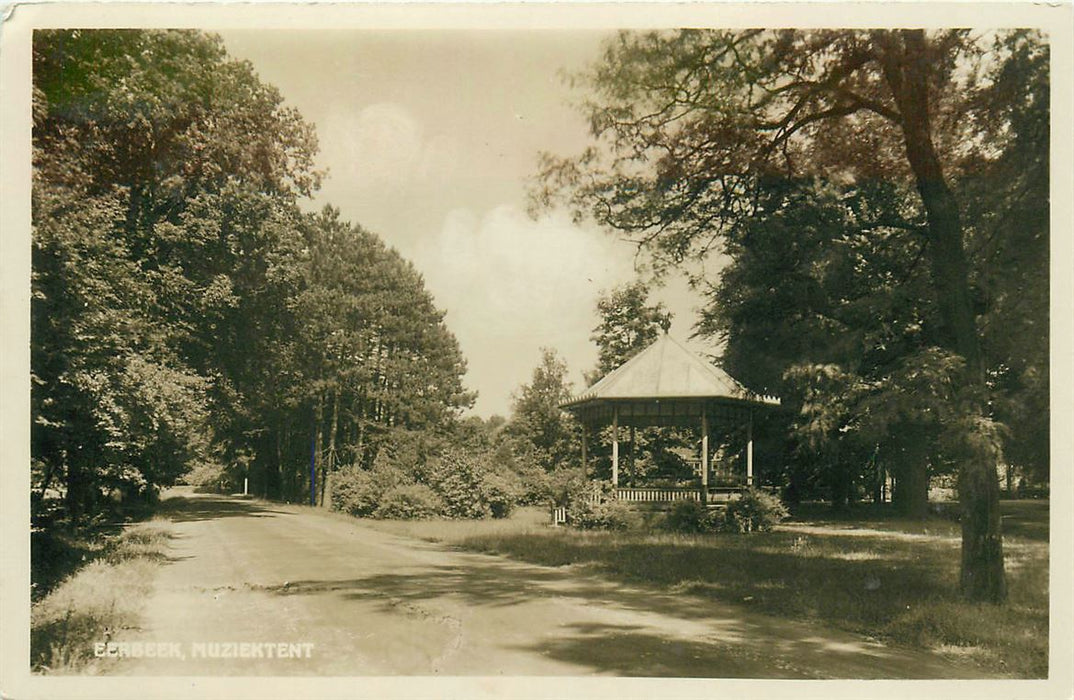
(346, 600)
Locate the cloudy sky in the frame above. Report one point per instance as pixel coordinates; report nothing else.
(429, 139)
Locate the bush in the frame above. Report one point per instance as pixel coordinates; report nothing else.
(359, 492)
(754, 511)
(470, 488)
(534, 483)
(409, 502)
(687, 517)
(502, 491)
(590, 505)
(605, 515)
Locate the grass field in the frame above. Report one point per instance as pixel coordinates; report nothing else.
(890, 579)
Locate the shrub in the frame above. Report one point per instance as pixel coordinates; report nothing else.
(406, 451)
(754, 511)
(359, 492)
(567, 485)
(502, 491)
(687, 517)
(606, 515)
(534, 483)
(471, 488)
(409, 502)
(590, 505)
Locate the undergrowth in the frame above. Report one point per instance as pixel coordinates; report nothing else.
(96, 601)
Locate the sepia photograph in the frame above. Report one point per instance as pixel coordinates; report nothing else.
(488, 343)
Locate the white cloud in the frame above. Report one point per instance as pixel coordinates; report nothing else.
(384, 147)
(511, 285)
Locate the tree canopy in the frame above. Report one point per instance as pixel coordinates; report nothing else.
(628, 324)
(857, 180)
(186, 315)
(536, 416)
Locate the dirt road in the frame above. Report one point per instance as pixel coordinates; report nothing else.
(313, 593)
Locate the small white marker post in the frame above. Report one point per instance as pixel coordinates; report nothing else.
(245, 486)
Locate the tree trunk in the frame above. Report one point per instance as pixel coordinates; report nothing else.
(840, 490)
(912, 487)
(906, 70)
(913, 490)
(840, 479)
(330, 465)
(318, 457)
(79, 497)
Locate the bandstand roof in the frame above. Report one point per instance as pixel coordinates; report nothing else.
(663, 385)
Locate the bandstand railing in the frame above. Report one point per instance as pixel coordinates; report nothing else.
(665, 494)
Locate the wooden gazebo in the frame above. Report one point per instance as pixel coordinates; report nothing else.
(667, 385)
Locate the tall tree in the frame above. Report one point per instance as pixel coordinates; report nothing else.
(375, 354)
(850, 305)
(536, 415)
(688, 123)
(628, 324)
(130, 127)
(184, 310)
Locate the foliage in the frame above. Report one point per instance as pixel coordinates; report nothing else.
(465, 485)
(471, 488)
(537, 418)
(502, 493)
(754, 511)
(603, 515)
(628, 324)
(409, 502)
(134, 133)
(185, 312)
(360, 492)
(688, 517)
(858, 154)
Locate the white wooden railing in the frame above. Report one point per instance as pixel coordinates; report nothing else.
(656, 494)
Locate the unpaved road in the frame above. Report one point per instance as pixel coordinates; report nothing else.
(371, 603)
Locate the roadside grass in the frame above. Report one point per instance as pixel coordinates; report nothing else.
(102, 597)
(525, 520)
(891, 580)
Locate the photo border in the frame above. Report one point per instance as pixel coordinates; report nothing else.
(18, 23)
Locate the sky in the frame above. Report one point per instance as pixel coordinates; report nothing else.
(430, 139)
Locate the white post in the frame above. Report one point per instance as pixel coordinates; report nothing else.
(749, 452)
(704, 454)
(245, 486)
(615, 446)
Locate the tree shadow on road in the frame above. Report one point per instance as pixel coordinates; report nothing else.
(664, 634)
(630, 650)
(183, 509)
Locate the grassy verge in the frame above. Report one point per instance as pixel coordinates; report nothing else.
(528, 520)
(103, 596)
(884, 578)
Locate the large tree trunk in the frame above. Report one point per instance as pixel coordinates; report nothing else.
(318, 458)
(906, 66)
(841, 485)
(911, 497)
(330, 464)
(79, 500)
